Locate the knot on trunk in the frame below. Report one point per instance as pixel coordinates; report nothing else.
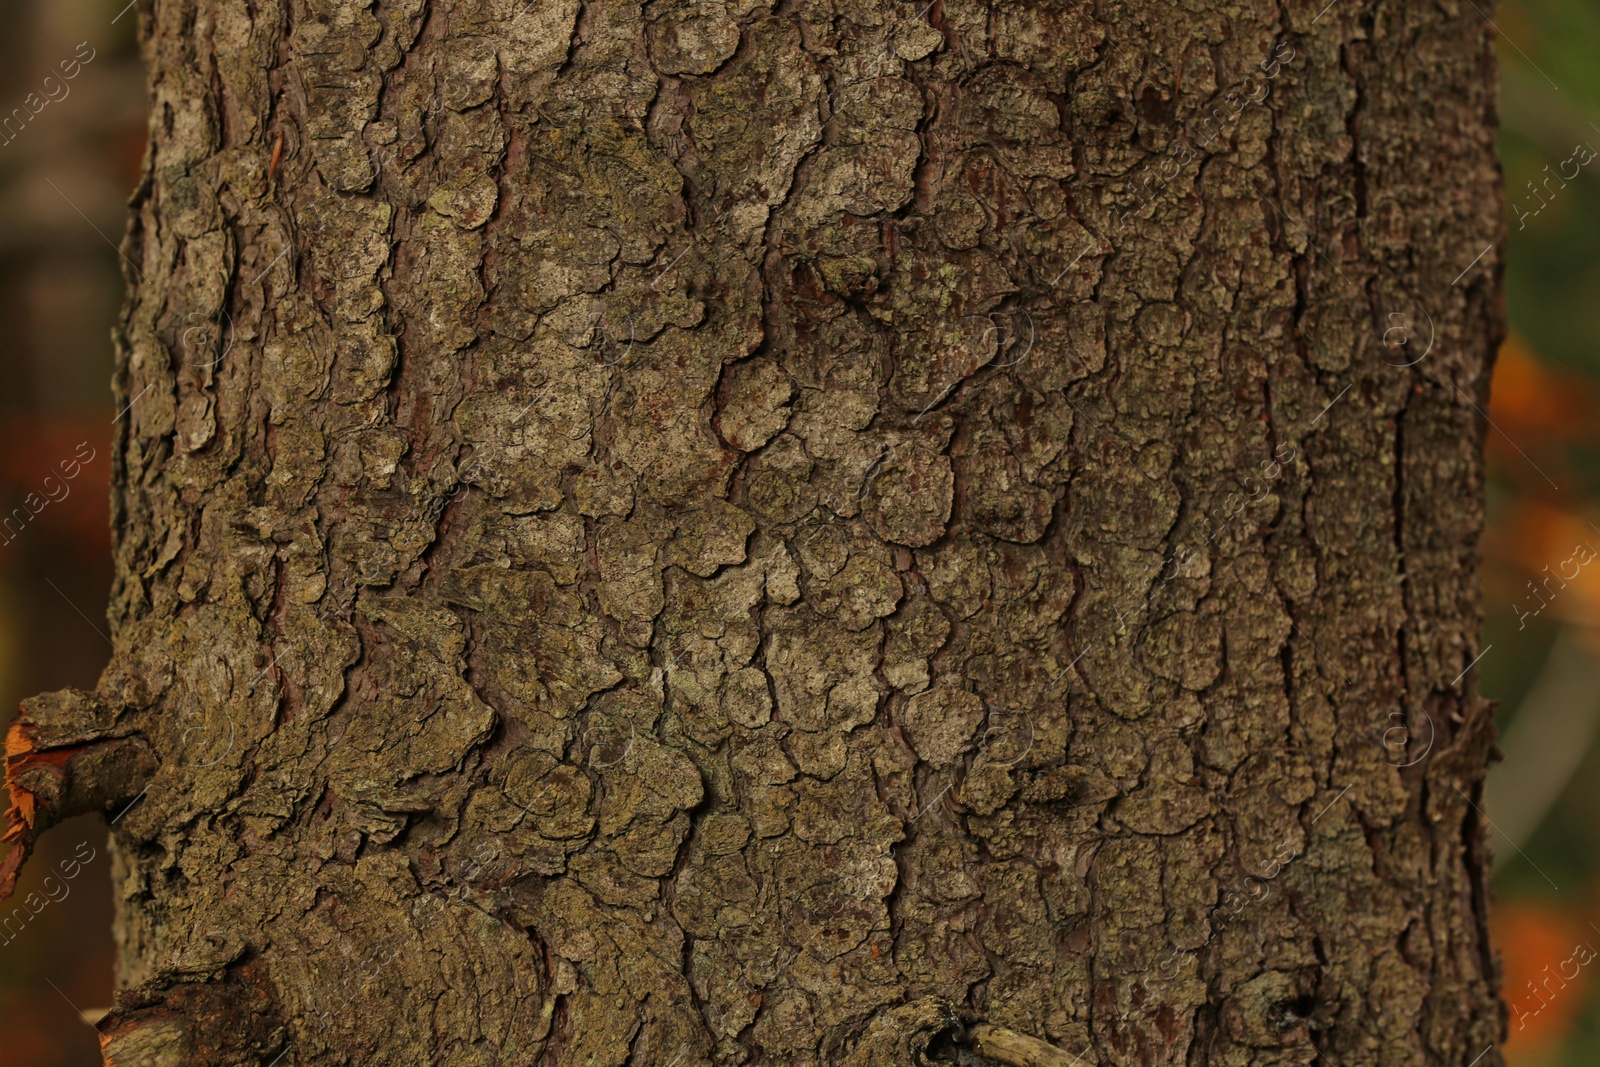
(67, 754)
(231, 1019)
(928, 1032)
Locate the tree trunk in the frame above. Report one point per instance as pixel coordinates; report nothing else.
(687, 533)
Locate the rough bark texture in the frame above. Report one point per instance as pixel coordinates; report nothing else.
(698, 532)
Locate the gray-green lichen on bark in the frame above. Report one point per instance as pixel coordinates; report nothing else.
(663, 552)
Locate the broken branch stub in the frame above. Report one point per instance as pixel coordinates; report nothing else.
(67, 753)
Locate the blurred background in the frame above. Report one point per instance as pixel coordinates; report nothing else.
(1541, 581)
(64, 179)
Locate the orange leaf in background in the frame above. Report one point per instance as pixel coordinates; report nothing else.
(1556, 555)
(1537, 404)
(1534, 940)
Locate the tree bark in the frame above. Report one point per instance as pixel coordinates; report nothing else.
(705, 533)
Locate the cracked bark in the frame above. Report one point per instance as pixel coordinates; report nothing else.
(707, 533)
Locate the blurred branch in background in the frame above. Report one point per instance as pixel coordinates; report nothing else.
(1547, 741)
